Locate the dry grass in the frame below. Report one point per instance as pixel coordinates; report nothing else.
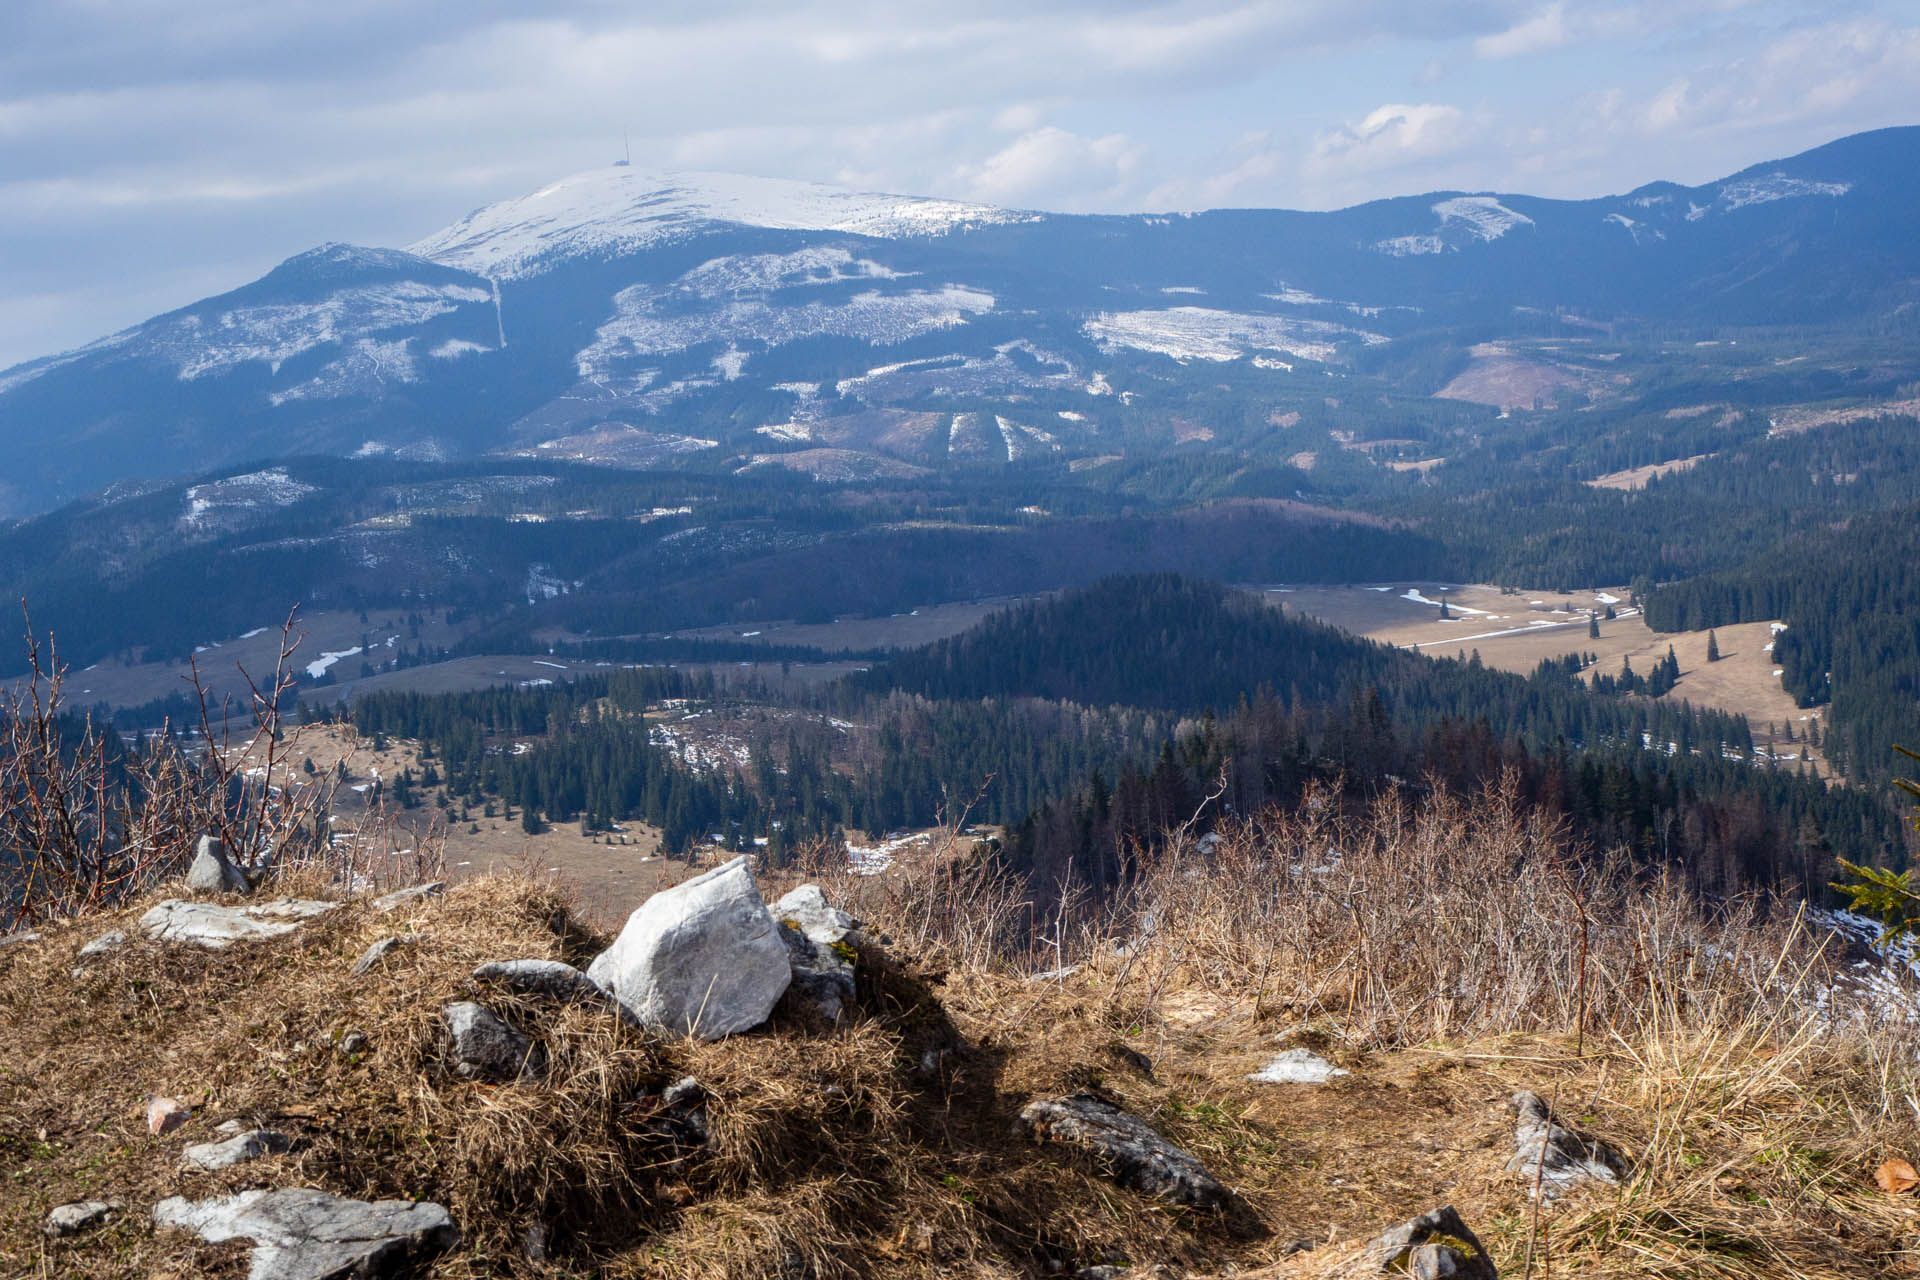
(1436, 953)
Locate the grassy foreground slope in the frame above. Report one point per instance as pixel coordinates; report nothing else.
(1440, 957)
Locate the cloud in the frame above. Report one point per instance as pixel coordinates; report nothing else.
(143, 142)
(1050, 160)
(1546, 29)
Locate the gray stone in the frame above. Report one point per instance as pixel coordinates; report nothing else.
(702, 959)
(213, 871)
(353, 1044)
(374, 954)
(18, 939)
(236, 1150)
(819, 950)
(1134, 1155)
(111, 940)
(1298, 1066)
(549, 979)
(71, 1219)
(1432, 1246)
(206, 924)
(1552, 1156)
(302, 1234)
(409, 897)
(681, 1117)
(485, 1048)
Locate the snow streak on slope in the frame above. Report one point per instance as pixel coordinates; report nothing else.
(278, 332)
(1774, 186)
(1482, 218)
(366, 367)
(1198, 333)
(618, 211)
(241, 495)
(736, 300)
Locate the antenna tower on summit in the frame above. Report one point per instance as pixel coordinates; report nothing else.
(626, 159)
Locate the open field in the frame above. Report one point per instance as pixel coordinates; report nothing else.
(332, 640)
(1515, 632)
(899, 631)
(1637, 477)
(609, 880)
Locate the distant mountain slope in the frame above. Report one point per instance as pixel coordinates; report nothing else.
(619, 316)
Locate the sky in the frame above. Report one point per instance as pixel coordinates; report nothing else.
(154, 152)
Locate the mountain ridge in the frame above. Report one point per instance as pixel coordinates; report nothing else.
(701, 316)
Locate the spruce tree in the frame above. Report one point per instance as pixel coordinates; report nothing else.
(1713, 647)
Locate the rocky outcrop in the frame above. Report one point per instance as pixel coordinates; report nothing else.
(1132, 1153)
(206, 924)
(303, 1234)
(485, 1048)
(212, 871)
(820, 954)
(702, 959)
(1554, 1157)
(1434, 1245)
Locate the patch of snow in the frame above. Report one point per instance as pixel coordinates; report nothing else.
(1775, 186)
(1200, 333)
(1182, 288)
(730, 364)
(274, 333)
(1099, 386)
(617, 211)
(367, 366)
(454, 348)
(1605, 598)
(1298, 1066)
(272, 487)
(319, 666)
(1410, 246)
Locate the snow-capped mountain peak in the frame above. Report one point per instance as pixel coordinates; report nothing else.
(620, 210)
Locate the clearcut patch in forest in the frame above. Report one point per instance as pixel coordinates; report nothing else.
(1516, 632)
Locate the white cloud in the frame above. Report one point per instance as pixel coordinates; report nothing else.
(1053, 161)
(1546, 29)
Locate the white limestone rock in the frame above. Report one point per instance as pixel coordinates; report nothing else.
(213, 871)
(236, 1150)
(303, 1234)
(207, 924)
(72, 1219)
(702, 959)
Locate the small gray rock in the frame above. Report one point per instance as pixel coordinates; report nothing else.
(303, 1234)
(111, 940)
(1434, 1245)
(18, 939)
(213, 871)
(374, 954)
(1555, 1157)
(409, 897)
(207, 924)
(549, 979)
(817, 937)
(236, 1150)
(485, 1048)
(71, 1219)
(1134, 1155)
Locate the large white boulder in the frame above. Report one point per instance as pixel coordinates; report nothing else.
(701, 959)
(207, 924)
